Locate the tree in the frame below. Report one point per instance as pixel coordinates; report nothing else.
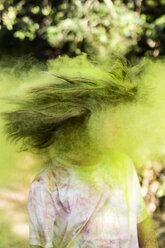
(48, 28)
(151, 41)
(72, 27)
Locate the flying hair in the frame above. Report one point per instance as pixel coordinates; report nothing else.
(80, 107)
(68, 101)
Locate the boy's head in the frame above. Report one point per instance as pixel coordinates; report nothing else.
(75, 112)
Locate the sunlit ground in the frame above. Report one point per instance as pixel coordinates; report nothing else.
(13, 215)
(15, 178)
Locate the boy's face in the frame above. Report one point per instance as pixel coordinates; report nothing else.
(105, 127)
(111, 128)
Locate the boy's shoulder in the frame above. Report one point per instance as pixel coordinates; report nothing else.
(51, 174)
(45, 180)
(42, 175)
(121, 163)
(120, 158)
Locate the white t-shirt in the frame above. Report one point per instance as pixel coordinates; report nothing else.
(67, 212)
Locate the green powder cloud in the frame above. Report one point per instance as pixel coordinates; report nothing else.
(87, 107)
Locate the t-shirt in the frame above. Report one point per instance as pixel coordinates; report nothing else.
(66, 211)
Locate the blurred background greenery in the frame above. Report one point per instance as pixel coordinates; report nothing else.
(46, 29)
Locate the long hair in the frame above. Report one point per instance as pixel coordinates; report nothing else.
(46, 114)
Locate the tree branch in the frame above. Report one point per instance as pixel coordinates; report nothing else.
(110, 5)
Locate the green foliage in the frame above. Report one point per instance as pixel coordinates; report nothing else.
(151, 40)
(98, 27)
